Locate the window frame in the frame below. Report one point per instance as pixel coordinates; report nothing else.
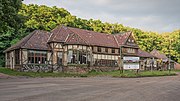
(113, 50)
(99, 49)
(17, 57)
(37, 57)
(78, 57)
(106, 50)
(60, 57)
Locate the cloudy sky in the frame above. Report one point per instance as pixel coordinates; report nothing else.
(149, 15)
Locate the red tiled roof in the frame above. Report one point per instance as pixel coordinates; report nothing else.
(122, 38)
(145, 54)
(95, 38)
(35, 40)
(68, 35)
(60, 34)
(71, 35)
(158, 55)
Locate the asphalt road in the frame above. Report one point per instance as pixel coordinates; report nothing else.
(91, 89)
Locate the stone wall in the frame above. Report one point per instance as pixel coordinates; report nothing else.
(56, 68)
(40, 68)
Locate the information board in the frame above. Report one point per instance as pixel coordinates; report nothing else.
(130, 63)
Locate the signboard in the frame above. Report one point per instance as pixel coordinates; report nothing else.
(130, 62)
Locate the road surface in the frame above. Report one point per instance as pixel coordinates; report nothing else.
(91, 89)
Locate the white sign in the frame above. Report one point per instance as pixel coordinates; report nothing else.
(131, 62)
(131, 66)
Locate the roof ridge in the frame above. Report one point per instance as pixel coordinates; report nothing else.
(68, 33)
(67, 37)
(58, 31)
(128, 36)
(116, 41)
(56, 27)
(91, 31)
(49, 37)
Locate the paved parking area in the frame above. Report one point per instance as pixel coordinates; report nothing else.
(91, 89)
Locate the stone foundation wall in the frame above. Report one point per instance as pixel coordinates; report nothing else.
(40, 68)
(56, 68)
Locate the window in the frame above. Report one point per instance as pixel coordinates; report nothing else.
(59, 58)
(37, 57)
(106, 50)
(131, 50)
(17, 60)
(72, 56)
(113, 51)
(8, 55)
(99, 49)
(77, 57)
(105, 60)
(82, 58)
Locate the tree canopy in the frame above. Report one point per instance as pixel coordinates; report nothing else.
(10, 22)
(47, 18)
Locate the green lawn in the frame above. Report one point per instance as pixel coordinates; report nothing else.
(131, 74)
(90, 74)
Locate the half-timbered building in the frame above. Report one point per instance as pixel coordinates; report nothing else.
(67, 48)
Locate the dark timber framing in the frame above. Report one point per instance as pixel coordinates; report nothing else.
(65, 44)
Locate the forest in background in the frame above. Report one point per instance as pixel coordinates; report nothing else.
(18, 20)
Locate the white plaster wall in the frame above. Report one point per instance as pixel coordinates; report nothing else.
(49, 58)
(24, 56)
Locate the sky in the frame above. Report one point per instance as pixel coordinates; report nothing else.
(148, 15)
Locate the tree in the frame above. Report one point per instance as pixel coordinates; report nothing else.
(43, 17)
(10, 24)
(47, 18)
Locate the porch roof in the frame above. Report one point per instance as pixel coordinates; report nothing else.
(158, 55)
(144, 54)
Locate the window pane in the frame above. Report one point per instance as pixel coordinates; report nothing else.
(82, 57)
(17, 57)
(99, 49)
(70, 53)
(59, 58)
(106, 50)
(29, 60)
(37, 57)
(113, 50)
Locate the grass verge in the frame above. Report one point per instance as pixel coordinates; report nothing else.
(128, 74)
(132, 74)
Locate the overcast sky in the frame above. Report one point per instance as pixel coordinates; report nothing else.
(149, 15)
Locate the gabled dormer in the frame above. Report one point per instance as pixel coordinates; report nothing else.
(130, 41)
(127, 42)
